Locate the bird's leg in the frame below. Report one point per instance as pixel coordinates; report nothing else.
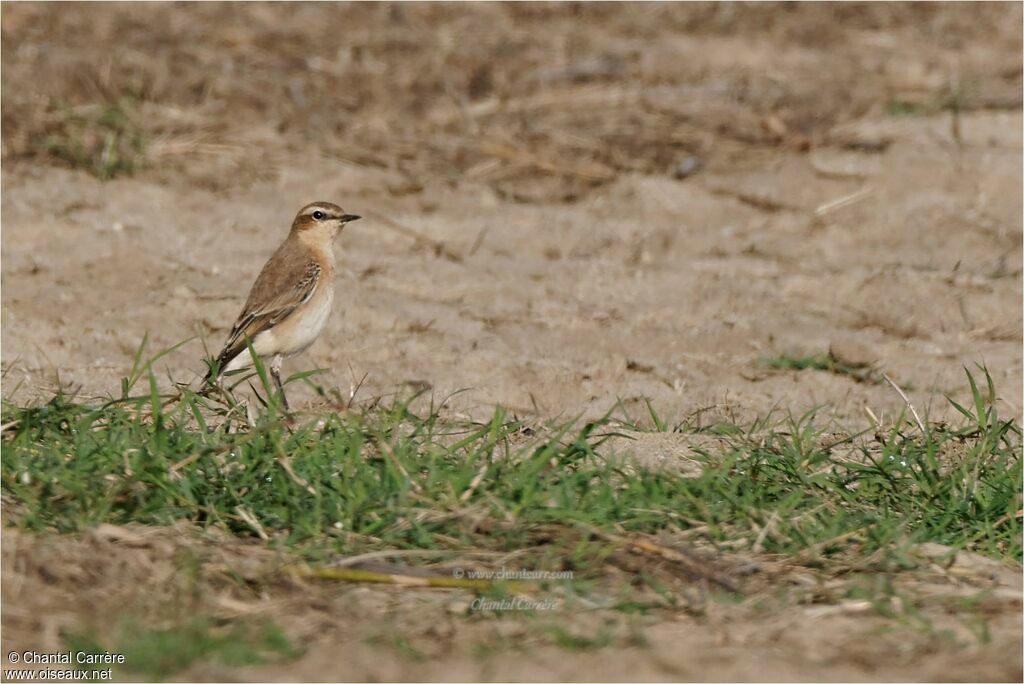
(275, 373)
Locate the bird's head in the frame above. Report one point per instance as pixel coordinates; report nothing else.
(322, 217)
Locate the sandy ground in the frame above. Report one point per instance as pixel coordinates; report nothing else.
(365, 633)
(564, 207)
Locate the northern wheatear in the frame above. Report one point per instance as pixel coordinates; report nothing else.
(291, 299)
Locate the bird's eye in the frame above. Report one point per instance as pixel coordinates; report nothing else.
(318, 215)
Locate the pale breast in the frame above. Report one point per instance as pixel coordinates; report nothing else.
(301, 328)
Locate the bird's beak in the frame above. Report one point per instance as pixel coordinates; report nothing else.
(350, 217)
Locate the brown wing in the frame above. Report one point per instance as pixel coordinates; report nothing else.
(262, 311)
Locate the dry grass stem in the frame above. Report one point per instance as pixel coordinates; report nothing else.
(249, 519)
(906, 400)
(844, 201)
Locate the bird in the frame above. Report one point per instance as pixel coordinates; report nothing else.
(291, 299)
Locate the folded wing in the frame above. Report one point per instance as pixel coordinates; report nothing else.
(262, 313)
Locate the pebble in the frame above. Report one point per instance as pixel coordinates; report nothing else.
(686, 167)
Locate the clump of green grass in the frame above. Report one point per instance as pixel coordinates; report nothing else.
(813, 362)
(824, 362)
(103, 139)
(900, 107)
(325, 484)
(950, 98)
(159, 652)
(389, 477)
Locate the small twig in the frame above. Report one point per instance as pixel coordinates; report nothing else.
(284, 463)
(761, 202)
(390, 453)
(250, 520)
(405, 553)
(172, 398)
(353, 575)
(813, 549)
(903, 395)
(1006, 517)
(842, 608)
(758, 546)
(954, 109)
(173, 470)
(478, 241)
(831, 174)
(874, 418)
(250, 413)
(477, 479)
(651, 548)
(354, 389)
(839, 203)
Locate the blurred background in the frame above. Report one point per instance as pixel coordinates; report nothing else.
(566, 202)
(221, 94)
(723, 209)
